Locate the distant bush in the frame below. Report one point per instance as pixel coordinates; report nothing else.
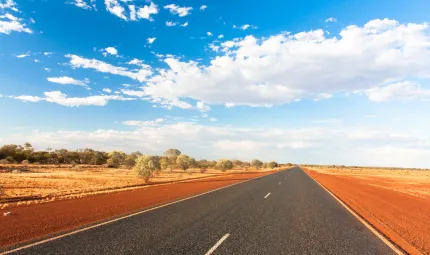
(224, 165)
(256, 163)
(25, 162)
(184, 162)
(4, 161)
(272, 164)
(146, 166)
(1, 190)
(10, 159)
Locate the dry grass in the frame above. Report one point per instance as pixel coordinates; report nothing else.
(414, 182)
(46, 183)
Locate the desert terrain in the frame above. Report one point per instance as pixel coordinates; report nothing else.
(395, 201)
(33, 184)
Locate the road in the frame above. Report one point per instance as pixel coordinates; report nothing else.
(283, 213)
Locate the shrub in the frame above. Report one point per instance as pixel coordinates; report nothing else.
(224, 165)
(146, 166)
(184, 162)
(10, 159)
(272, 164)
(73, 163)
(25, 162)
(172, 153)
(4, 161)
(256, 163)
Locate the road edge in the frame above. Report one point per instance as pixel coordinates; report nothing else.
(36, 242)
(375, 231)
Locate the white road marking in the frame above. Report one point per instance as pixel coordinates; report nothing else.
(217, 244)
(268, 194)
(120, 218)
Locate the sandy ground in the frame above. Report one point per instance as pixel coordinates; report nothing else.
(396, 202)
(37, 220)
(46, 183)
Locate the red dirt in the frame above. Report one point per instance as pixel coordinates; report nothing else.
(38, 220)
(402, 218)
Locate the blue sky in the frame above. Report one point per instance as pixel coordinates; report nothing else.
(328, 82)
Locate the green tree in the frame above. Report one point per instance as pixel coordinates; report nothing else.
(256, 163)
(115, 159)
(164, 163)
(146, 166)
(183, 161)
(272, 164)
(172, 153)
(224, 165)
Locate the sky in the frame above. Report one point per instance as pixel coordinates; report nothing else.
(317, 82)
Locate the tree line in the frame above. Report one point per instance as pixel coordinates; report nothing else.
(172, 158)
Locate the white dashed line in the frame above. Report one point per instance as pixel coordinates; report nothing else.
(268, 194)
(217, 244)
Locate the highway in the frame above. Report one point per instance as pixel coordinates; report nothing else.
(282, 213)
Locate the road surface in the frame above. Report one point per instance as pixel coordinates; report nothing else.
(282, 213)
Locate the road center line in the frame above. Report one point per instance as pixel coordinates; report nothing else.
(217, 244)
(268, 194)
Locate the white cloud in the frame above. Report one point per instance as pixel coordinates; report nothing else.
(107, 90)
(111, 51)
(171, 23)
(62, 99)
(36, 60)
(151, 40)
(185, 24)
(103, 67)
(47, 53)
(8, 4)
(402, 91)
(149, 123)
(203, 7)
(119, 9)
(177, 10)
(245, 27)
(23, 55)
(297, 145)
(147, 11)
(137, 93)
(9, 23)
(330, 20)
(29, 98)
(68, 80)
(47, 69)
(209, 33)
(212, 119)
(87, 5)
(287, 67)
(221, 36)
(202, 107)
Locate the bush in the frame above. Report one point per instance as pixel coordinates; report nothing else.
(4, 161)
(25, 162)
(146, 166)
(224, 165)
(1, 190)
(272, 164)
(256, 163)
(184, 162)
(10, 159)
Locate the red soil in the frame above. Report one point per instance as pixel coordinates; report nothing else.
(38, 220)
(402, 218)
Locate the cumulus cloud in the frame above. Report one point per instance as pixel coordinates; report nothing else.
(209, 33)
(10, 23)
(103, 67)
(287, 67)
(297, 145)
(203, 7)
(220, 36)
(402, 91)
(185, 24)
(62, 99)
(151, 40)
(330, 20)
(110, 50)
(245, 27)
(171, 23)
(87, 5)
(23, 55)
(130, 12)
(202, 107)
(107, 90)
(177, 10)
(68, 80)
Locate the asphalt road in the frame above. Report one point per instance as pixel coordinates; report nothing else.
(297, 217)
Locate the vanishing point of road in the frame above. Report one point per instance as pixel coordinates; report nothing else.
(283, 213)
